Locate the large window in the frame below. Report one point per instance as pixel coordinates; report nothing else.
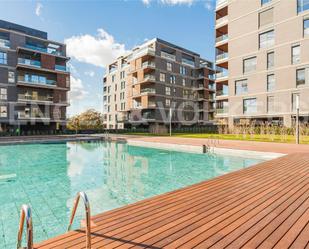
(267, 39)
(3, 94)
(168, 66)
(183, 70)
(302, 5)
(241, 87)
(300, 77)
(162, 77)
(270, 82)
(270, 60)
(3, 111)
(270, 104)
(266, 17)
(250, 106)
(306, 27)
(173, 79)
(167, 90)
(295, 54)
(11, 77)
(3, 58)
(249, 65)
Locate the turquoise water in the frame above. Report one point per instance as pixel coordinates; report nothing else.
(48, 176)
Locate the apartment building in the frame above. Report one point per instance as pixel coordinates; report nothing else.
(156, 83)
(262, 57)
(34, 79)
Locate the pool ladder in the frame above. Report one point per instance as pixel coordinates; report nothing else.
(26, 214)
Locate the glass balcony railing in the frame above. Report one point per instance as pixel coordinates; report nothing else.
(148, 64)
(149, 77)
(221, 75)
(222, 38)
(148, 90)
(36, 80)
(212, 87)
(34, 98)
(143, 51)
(44, 50)
(26, 115)
(222, 56)
(221, 3)
(4, 43)
(61, 68)
(152, 104)
(221, 20)
(188, 62)
(211, 76)
(29, 62)
(168, 56)
(224, 92)
(223, 110)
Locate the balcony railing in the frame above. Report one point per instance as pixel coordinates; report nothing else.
(61, 68)
(29, 62)
(221, 75)
(222, 56)
(23, 115)
(4, 43)
(149, 77)
(36, 81)
(212, 87)
(221, 20)
(148, 64)
(224, 110)
(222, 38)
(220, 3)
(148, 90)
(224, 92)
(212, 76)
(168, 56)
(188, 62)
(32, 98)
(143, 51)
(134, 81)
(44, 50)
(152, 104)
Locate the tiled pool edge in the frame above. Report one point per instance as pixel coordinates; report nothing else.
(199, 149)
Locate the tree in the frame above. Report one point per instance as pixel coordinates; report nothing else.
(88, 120)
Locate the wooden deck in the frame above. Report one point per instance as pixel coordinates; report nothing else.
(264, 206)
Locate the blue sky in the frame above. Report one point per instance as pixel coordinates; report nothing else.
(98, 31)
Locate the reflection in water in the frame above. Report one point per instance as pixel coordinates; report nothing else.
(48, 176)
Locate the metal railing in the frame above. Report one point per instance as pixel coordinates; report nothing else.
(87, 209)
(25, 213)
(29, 62)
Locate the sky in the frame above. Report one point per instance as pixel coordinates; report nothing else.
(97, 32)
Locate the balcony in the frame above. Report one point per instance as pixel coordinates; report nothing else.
(222, 111)
(168, 56)
(149, 77)
(222, 93)
(222, 38)
(221, 75)
(29, 62)
(212, 87)
(222, 21)
(36, 80)
(61, 68)
(221, 3)
(44, 50)
(188, 62)
(212, 76)
(222, 56)
(148, 91)
(28, 97)
(4, 43)
(152, 104)
(148, 64)
(26, 115)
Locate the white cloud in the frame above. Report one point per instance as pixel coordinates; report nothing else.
(177, 2)
(98, 50)
(146, 2)
(90, 73)
(207, 3)
(77, 91)
(38, 9)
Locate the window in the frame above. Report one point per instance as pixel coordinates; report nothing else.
(3, 111)
(113, 78)
(11, 77)
(270, 104)
(302, 5)
(183, 82)
(183, 70)
(296, 54)
(306, 27)
(266, 17)
(249, 65)
(250, 106)
(265, 1)
(270, 82)
(3, 58)
(172, 79)
(295, 99)
(3, 94)
(123, 85)
(267, 39)
(122, 74)
(300, 77)
(270, 60)
(168, 102)
(162, 77)
(168, 66)
(241, 87)
(167, 90)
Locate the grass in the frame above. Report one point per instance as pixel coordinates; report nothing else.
(256, 138)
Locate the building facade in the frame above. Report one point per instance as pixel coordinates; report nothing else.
(34, 80)
(158, 83)
(262, 57)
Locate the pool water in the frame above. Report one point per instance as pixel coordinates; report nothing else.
(48, 176)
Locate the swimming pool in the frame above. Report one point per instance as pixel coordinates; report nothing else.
(48, 176)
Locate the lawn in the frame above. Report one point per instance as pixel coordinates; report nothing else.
(257, 138)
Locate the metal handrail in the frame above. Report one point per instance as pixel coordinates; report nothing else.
(87, 209)
(25, 213)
